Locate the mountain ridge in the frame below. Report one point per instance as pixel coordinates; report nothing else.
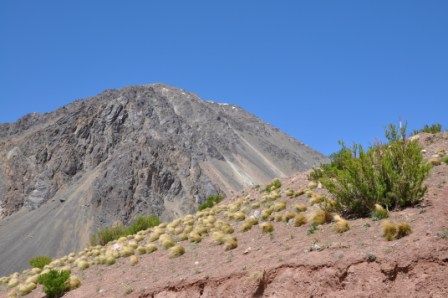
(140, 149)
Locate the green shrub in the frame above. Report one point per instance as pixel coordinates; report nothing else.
(142, 223)
(210, 202)
(275, 184)
(54, 282)
(433, 128)
(40, 261)
(105, 235)
(390, 175)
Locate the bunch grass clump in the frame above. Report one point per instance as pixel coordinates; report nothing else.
(40, 261)
(267, 227)
(218, 237)
(320, 217)
(299, 220)
(26, 288)
(248, 224)
(390, 174)
(393, 231)
(108, 234)
(341, 225)
(433, 128)
(379, 212)
(176, 251)
(230, 242)
(210, 202)
(300, 207)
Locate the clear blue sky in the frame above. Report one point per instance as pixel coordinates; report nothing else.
(319, 70)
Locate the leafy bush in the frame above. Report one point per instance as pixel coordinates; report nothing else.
(54, 282)
(390, 175)
(111, 233)
(275, 184)
(211, 201)
(433, 128)
(40, 261)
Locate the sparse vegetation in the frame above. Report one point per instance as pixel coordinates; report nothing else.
(393, 231)
(39, 261)
(176, 251)
(210, 202)
(389, 174)
(54, 283)
(299, 220)
(320, 217)
(267, 227)
(341, 225)
(379, 212)
(445, 159)
(312, 229)
(433, 128)
(275, 184)
(115, 232)
(443, 233)
(230, 242)
(300, 207)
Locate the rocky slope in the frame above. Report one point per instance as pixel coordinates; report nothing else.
(289, 262)
(147, 149)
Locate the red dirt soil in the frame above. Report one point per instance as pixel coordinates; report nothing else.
(293, 263)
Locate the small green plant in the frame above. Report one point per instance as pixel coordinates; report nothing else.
(445, 159)
(312, 228)
(210, 202)
(275, 184)
(433, 128)
(54, 283)
(142, 222)
(40, 261)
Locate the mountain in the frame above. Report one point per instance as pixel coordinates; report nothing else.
(144, 149)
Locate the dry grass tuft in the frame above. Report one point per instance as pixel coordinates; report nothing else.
(299, 220)
(393, 231)
(341, 225)
(288, 215)
(218, 237)
(404, 229)
(239, 216)
(267, 227)
(230, 242)
(390, 230)
(176, 251)
(300, 207)
(279, 206)
(320, 217)
(150, 248)
(194, 237)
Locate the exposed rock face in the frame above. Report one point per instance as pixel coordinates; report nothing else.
(148, 149)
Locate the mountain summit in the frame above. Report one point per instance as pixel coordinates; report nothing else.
(143, 149)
